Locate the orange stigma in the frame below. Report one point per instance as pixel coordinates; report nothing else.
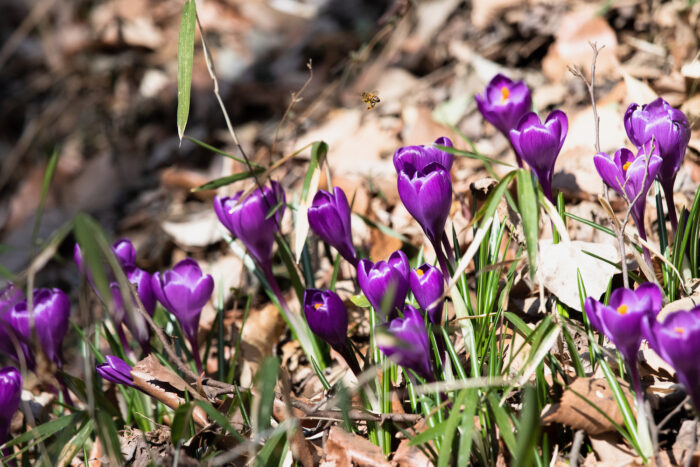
(317, 306)
(505, 94)
(622, 309)
(419, 272)
(679, 330)
(626, 166)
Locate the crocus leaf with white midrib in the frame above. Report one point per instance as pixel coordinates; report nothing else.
(539, 144)
(383, 281)
(10, 397)
(407, 343)
(183, 291)
(677, 340)
(670, 130)
(329, 218)
(51, 319)
(503, 103)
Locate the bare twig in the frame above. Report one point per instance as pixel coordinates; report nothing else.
(294, 99)
(693, 443)
(576, 448)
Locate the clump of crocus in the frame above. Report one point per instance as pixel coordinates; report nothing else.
(671, 132)
(539, 144)
(10, 396)
(428, 287)
(621, 321)
(248, 220)
(385, 284)
(631, 177)
(329, 218)
(116, 371)
(328, 318)
(406, 342)
(183, 291)
(503, 103)
(51, 312)
(419, 157)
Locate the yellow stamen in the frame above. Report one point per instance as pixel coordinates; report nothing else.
(419, 272)
(679, 330)
(505, 94)
(317, 305)
(622, 309)
(626, 166)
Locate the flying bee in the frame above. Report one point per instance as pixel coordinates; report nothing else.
(371, 99)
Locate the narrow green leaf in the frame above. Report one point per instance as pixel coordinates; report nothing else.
(48, 176)
(494, 197)
(529, 429)
(222, 153)
(313, 174)
(451, 428)
(75, 444)
(467, 427)
(219, 419)
(185, 62)
(360, 301)
(229, 179)
(529, 212)
(49, 428)
(266, 382)
(181, 423)
(503, 421)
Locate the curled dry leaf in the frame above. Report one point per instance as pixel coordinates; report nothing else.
(165, 386)
(560, 263)
(576, 412)
(347, 449)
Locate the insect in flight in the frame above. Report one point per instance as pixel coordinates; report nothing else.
(371, 99)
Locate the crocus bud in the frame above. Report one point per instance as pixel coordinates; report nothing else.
(123, 250)
(677, 340)
(428, 286)
(249, 221)
(135, 321)
(116, 371)
(427, 195)
(420, 157)
(621, 320)
(671, 132)
(329, 218)
(10, 396)
(183, 291)
(327, 316)
(631, 177)
(408, 343)
(386, 277)
(51, 315)
(539, 144)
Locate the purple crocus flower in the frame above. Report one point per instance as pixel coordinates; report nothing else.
(428, 286)
(249, 220)
(385, 277)
(123, 250)
(503, 103)
(10, 396)
(621, 320)
(671, 132)
(539, 144)
(409, 347)
(327, 316)
(116, 371)
(51, 314)
(627, 174)
(427, 195)
(677, 340)
(183, 291)
(135, 321)
(9, 297)
(329, 218)
(420, 157)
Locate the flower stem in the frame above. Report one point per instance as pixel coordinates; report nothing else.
(448, 249)
(195, 354)
(441, 259)
(349, 355)
(517, 156)
(668, 194)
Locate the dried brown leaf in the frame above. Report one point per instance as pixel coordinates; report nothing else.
(575, 412)
(165, 386)
(410, 456)
(348, 449)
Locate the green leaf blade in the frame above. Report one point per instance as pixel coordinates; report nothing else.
(185, 62)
